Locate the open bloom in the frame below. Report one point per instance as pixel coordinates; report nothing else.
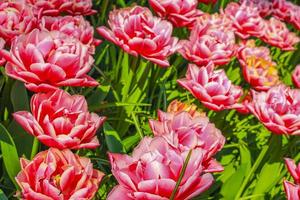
(179, 12)
(58, 175)
(295, 16)
(278, 109)
(296, 76)
(245, 19)
(75, 26)
(292, 190)
(55, 7)
(177, 107)
(153, 170)
(137, 32)
(208, 43)
(281, 9)
(212, 88)
(60, 120)
(48, 60)
(15, 19)
(264, 6)
(258, 69)
(278, 35)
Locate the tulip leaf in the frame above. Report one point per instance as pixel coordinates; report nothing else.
(2, 195)
(113, 140)
(19, 97)
(98, 96)
(9, 154)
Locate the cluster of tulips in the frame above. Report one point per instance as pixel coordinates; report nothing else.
(48, 44)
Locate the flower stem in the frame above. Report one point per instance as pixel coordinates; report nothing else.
(35, 148)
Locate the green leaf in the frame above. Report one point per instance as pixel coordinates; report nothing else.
(19, 96)
(10, 154)
(98, 96)
(2, 195)
(113, 140)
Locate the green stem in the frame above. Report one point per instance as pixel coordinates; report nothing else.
(182, 172)
(35, 148)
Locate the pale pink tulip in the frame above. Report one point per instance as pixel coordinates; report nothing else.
(137, 32)
(16, 18)
(48, 60)
(296, 76)
(153, 170)
(292, 190)
(212, 88)
(180, 12)
(277, 34)
(278, 109)
(60, 120)
(214, 21)
(58, 175)
(245, 19)
(264, 6)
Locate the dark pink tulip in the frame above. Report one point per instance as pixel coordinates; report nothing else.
(264, 6)
(208, 42)
(184, 132)
(58, 175)
(153, 170)
(245, 19)
(16, 18)
(180, 12)
(296, 76)
(208, 1)
(137, 32)
(75, 26)
(281, 9)
(277, 34)
(278, 109)
(60, 120)
(212, 88)
(292, 190)
(258, 68)
(47, 60)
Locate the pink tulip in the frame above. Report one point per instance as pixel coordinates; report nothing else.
(180, 12)
(292, 190)
(295, 16)
(212, 88)
(278, 35)
(185, 132)
(60, 120)
(214, 21)
(264, 6)
(209, 42)
(56, 7)
(16, 18)
(153, 170)
(278, 109)
(282, 9)
(75, 26)
(177, 107)
(48, 60)
(258, 69)
(137, 32)
(296, 76)
(246, 20)
(58, 175)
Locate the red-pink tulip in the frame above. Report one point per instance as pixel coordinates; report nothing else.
(295, 16)
(264, 6)
(281, 9)
(60, 120)
(16, 18)
(75, 26)
(48, 60)
(278, 109)
(80, 7)
(277, 34)
(212, 88)
(184, 132)
(245, 19)
(208, 42)
(180, 12)
(153, 170)
(137, 32)
(292, 190)
(296, 76)
(58, 175)
(208, 1)
(258, 69)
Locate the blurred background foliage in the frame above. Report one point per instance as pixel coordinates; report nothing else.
(131, 91)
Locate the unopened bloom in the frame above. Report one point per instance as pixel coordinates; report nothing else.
(58, 175)
(47, 60)
(177, 107)
(211, 87)
(277, 34)
(75, 26)
(245, 19)
(296, 76)
(179, 12)
(138, 32)
(292, 190)
(153, 170)
(278, 109)
(60, 120)
(16, 18)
